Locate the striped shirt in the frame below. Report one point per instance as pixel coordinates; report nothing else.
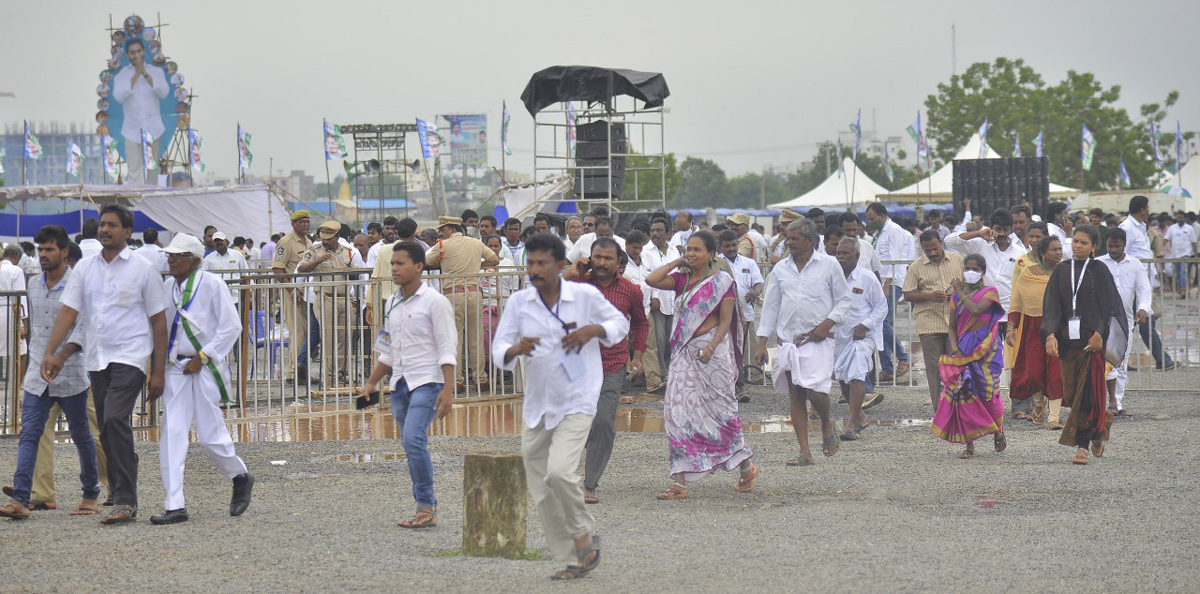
(44, 303)
(933, 317)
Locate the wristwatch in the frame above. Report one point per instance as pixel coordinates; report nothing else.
(203, 358)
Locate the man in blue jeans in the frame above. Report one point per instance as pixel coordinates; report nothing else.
(69, 390)
(418, 344)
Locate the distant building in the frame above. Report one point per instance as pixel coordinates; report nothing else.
(51, 169)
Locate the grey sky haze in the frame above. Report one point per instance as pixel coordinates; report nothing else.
(746, 77)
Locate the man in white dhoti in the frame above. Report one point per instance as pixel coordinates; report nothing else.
(857, 339)
(203, 326)
(806, 297)
(1133, 284)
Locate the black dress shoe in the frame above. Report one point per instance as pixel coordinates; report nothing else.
(171, 516)
(241, 496)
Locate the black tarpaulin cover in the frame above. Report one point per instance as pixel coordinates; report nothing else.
(557, 84)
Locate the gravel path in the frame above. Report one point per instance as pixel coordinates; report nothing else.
(895, 511)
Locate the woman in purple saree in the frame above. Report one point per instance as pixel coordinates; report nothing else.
(700, 410)
(970, 406)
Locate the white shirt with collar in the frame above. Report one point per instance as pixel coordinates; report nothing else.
(155, 256)
(583, 247)
(654, 259)
(868, 307)
(796, 301)
(211, 315)
(637, 273)
(1132, 283)
(423, 338)
(867, 255)
(90, 247)
(1182, 239)
(232, 260)
(746, 276)
(550, 392)
(116, 301)
(1137, 245)
(892, 242)
(680, 238)
(999, 262)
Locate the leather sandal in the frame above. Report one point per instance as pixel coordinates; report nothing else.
(14, 509)
(572, 572)
(675, 492)
(87, 507)
(426, 517)
(746, 480)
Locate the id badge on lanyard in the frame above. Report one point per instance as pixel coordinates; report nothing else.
(1074, 331)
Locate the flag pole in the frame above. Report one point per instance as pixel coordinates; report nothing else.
(853, 181)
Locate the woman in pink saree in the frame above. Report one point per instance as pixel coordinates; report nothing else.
(970, 406)
(700, 410)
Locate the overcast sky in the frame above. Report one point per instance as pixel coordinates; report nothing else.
(753, 84)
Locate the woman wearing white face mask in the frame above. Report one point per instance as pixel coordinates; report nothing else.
(970, 406)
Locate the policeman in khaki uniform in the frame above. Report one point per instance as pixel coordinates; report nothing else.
(328, 255)
(456, 253)
(288, 252)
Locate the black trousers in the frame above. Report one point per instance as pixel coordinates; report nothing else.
(116, 389)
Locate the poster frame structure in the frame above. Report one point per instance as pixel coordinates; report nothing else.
(379, 151)
(553, 155)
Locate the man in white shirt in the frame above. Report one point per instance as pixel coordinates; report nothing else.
(151, 251)
(778, 247)
(119, 300)
(387, 235)
(1056, 215)
(867, 257)
(891, 243)
(856, 340)
(995, 244)
(574, 230)
(1183, 245)
(88, 244)
(139, 87)
(1134, 287)
(553, 324)
(12, 278)
(1137, 245)
(1022, 216)
(806, 297)
(662, 306)
(583, 247)
(749, 282)
(222, 258)
(761, 246)
(204, 327)
(685, 226)
(419, 346)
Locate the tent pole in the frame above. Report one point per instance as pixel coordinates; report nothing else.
(853, 182)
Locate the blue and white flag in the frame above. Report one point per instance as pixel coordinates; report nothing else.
(983, 152)
(571, 117)
(33, 148)
(504, 130)
(1178, 146)
(108, 150)
(857, 128)
(1088, 148)
(148, 149)
(887, 163)
(1017, 146)
(430, 141)
(918, 136)
(196, 161)
(1037, 142)
(74, 160)
(2, 152)
(1158, 156)
(335, 145)
(1124, 174)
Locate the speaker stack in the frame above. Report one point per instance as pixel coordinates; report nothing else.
(595, 144)
(1001, 183)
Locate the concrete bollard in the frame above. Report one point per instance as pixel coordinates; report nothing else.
(496, 506)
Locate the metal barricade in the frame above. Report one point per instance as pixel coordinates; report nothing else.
(11, 374)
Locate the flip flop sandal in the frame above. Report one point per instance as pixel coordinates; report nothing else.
(13, 509)
(1080, 459)
(849, 435)
(830, 446)
(800, 461)
(674, 493)
(85, 510)
(1001, 442)
(35, 505)
(746, 484)
(1098, 449)
(591, 499)
(121, 514)
(966, 455)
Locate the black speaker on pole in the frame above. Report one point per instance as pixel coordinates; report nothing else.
(599, 154)
(1001, 183)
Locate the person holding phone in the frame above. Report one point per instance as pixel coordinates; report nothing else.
(418, 344)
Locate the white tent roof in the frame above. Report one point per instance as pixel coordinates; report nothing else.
(943, 179)
(834, 190)
(1188, 178)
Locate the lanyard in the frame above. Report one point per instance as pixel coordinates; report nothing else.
(687, 296)
(395, 304)
(554, 312)
(1075, 287)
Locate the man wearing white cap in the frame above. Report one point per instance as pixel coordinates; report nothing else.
(222, 258)
(203, 326)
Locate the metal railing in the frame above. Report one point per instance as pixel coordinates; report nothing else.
(306, 344)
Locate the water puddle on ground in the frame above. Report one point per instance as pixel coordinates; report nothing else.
(987, 502)
(483, 418)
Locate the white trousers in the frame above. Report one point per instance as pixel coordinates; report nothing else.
(1121, 372)
(551, 458)
(190, 399)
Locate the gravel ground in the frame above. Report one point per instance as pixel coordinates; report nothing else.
(896, 511)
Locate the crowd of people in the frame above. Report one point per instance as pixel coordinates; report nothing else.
(683, 309)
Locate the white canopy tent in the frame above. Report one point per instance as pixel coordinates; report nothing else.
(1187, 178)
(836, 188)
(249, 211)
(939, 186)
